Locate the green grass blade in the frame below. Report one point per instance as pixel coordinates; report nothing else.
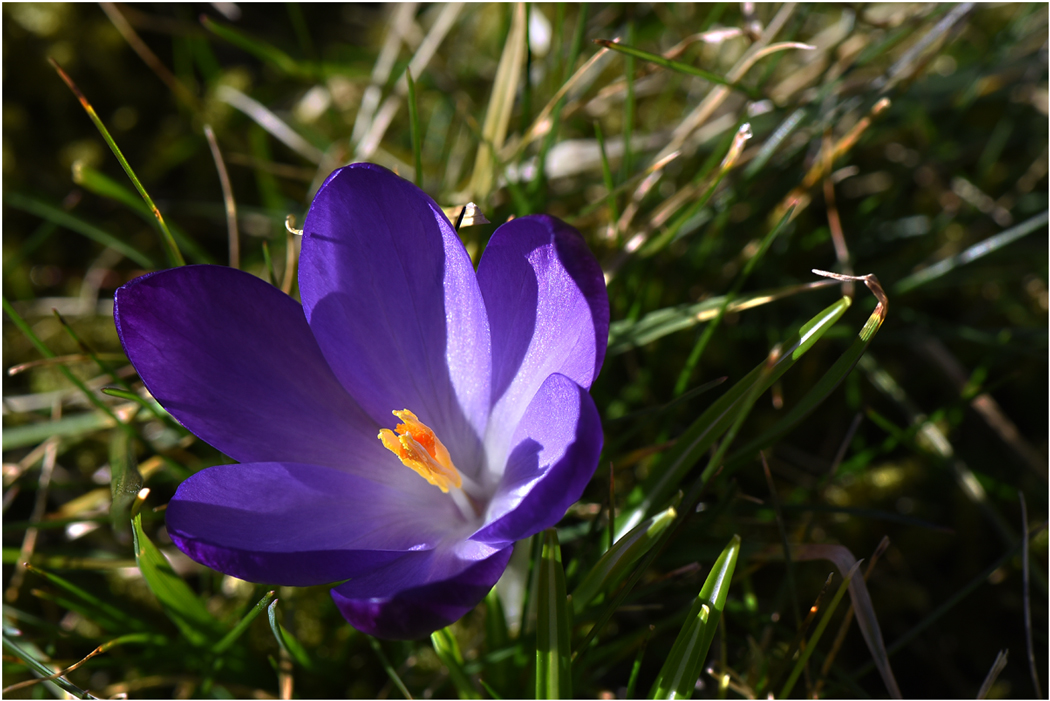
(242, 625)
(448, 652)
(497, 637)
(615, 565)
(627, 334)
(125, 479)
(387, 667)
(978, 250)
(59, 216)
(174, 256)
(175, 596)
(413, 119)
(104, 186)
(817, 393)
(265, 52)
(709, 330)
(103, 613)
(554, 623)
(46, 352)
(628, 108)
(811, 644)
(29, 658)
(717, 419)
(675, 66)
(607, 176)
(286, 640)
(679, 673)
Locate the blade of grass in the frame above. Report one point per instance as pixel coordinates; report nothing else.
(100, 184)
(709, 330)
(172, 250)
(678, 675)
(607, 177)
(46, 352)
(500, 107)
(29, 658)
(387, 667)
(553, 665)
(413, 120)
(811, 644)
(60, 217)
(148, 638)
(227, 198)
(105, 614)
(242, 625)
(269, 121)
(974, 252)
(820, 390)
(265, 52)
(288, 642)
(710, 425)
(615, 564)
(447, 650)
(676, 66)
(179, 602)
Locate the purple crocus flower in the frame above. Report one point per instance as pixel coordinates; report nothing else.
(487, 374)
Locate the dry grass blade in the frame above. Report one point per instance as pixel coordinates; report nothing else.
(399, 23)
(39, 507)
(501, 105)
(369, 143)
(269, 121)
(227, 198)
(144, 52)
(869, 625)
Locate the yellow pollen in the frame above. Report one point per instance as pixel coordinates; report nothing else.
(416, 445)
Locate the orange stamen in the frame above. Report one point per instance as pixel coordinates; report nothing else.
(416, 445)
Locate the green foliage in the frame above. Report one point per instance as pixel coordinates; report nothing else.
(711, 159)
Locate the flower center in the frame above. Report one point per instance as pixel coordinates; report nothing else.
(416, 445)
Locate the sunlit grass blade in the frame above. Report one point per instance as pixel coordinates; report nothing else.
(627, 334)
(716, 420)
(413, 120)
(615, 565)
(447, 650)
(59, 216)
(286, 640)
(811, 644)
(978, 250)
(501, 106)
(175, 596)
(818, 391)
(172, 250)
(675, 66)
(242, 625)
(553, 625)
(125, 479)
(708, 332)
(677, 678)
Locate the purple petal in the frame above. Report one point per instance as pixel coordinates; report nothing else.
(421, 592)
(548, 311)
(301, 525)
(391, 296)
(546, 301)
(556, 448)
(233, 359)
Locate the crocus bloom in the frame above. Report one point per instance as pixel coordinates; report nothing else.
(400, 429)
